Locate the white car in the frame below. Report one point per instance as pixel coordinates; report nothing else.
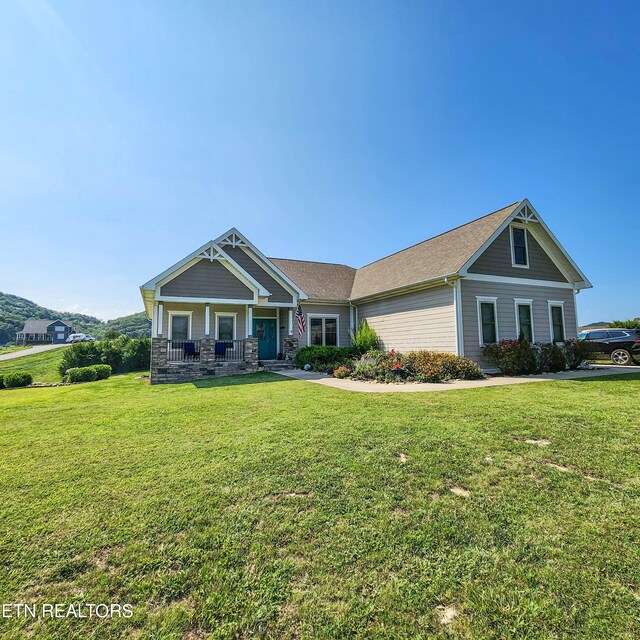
(76, 337)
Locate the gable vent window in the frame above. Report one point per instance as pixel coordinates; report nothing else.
(519, 247)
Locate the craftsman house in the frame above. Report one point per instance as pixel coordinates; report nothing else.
(226, 307)
(43, 332)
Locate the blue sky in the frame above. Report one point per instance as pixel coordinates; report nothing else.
(133, 132)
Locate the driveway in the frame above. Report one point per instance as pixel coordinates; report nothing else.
(39, 348)
(413, 387)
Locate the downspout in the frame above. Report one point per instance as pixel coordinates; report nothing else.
(457, 314)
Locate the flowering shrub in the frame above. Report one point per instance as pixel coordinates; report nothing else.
(512, 357)
(341, 372)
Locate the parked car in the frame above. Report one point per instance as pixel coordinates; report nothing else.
(89, 338)
(76, 337)
(621, 345)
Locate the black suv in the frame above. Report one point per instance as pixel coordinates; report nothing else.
(622, 345)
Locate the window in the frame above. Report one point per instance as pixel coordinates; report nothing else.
(225, 327)
(179, 327)
(617, 333)
(58, 328)
(323, 331)
(524, 319)
(487, 320)
(598, 335)
(519, 247)
(556, 320)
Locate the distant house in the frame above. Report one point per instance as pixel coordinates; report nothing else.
(226, 306)
(44, 332)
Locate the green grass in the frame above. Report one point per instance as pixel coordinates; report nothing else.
(42, 366)
(264, 507)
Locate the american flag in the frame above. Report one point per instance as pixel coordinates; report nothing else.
(302, 324)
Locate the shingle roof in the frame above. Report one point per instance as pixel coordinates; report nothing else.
(437, 257)
(36, 326)
(434, 258)
(319, 280)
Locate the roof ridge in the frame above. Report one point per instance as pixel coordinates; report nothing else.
(335, 264)
(441, 234)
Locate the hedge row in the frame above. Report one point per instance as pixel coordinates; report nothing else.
(519, 357)
(122, 354)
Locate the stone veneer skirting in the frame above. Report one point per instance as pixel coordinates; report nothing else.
(163, 372)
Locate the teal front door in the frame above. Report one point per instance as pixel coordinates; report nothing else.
(265, 331)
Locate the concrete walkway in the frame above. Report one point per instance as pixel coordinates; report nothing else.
(38, 348)
(413, 387)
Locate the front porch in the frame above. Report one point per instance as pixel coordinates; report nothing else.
(195, 341)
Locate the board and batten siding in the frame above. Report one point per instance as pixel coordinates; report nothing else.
(207, 279)
(496, 260)
(341, 310)
(506, 294)
(418, 320)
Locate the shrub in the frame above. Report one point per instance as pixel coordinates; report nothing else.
(459, 368)
(81, 354)
(576, 352)
(17, 379)
(341, 372)
(323, 358)
(365, 339)
(550, 357)
(1, 381)
(512, 357)
(137, 354)
(82, 374)
(103, 371)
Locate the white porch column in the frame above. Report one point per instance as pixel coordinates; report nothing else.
(249, 320)
(290, 322)
(154, 320)
(159, 321)
(207, 320)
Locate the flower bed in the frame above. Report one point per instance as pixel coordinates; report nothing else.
(415, 366)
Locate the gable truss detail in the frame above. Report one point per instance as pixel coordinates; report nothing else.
(526, 215)
(211, 254)
(232, 240)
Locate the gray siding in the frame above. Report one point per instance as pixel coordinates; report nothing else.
(207, 279)
(496, 260)
(507, 312)
(278, 292)
(344, 336)
(197, 319)
(411, 321)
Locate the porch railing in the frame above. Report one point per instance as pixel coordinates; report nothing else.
(229, 350)
(183, 351)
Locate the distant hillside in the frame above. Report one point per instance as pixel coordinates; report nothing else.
(15, 310)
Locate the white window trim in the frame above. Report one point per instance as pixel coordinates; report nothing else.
(224, 314)
(556, 303)
(323, 315)
(522, 302)
(526, 245)
(491, 300)
(170, 315)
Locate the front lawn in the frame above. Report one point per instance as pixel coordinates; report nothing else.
(265, 507)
